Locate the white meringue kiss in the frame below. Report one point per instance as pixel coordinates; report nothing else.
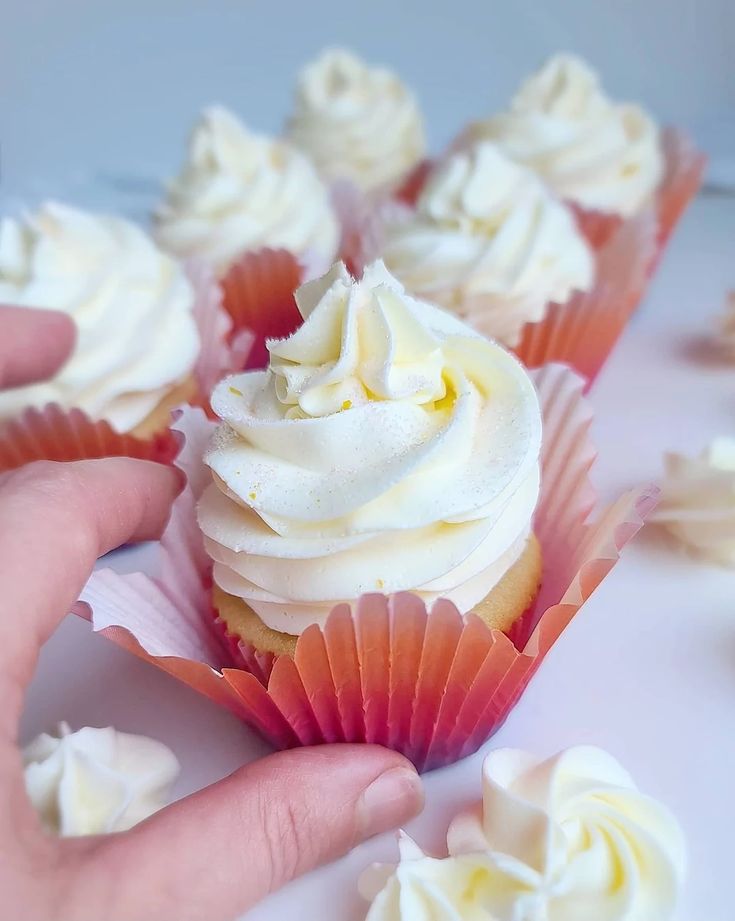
(95, 781)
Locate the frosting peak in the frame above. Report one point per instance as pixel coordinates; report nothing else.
(118, 287)
(569, 838)
(599, 154)
(383, 427)
(240, 191)
(96, 781)
(491, 243)
(356, 122)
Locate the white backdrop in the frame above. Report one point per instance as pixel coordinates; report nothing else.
(109, 88)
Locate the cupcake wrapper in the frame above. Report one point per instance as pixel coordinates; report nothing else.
(432, 685)
(258, 295)
(685, 167)
(583, 331)
(56, 434)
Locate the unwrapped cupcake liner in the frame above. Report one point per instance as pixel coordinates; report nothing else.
(56, 434)
(428, 683)
(583, 331)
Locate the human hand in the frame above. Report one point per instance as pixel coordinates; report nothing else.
(214, 853)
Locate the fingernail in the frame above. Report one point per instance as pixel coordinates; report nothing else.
(392, 798)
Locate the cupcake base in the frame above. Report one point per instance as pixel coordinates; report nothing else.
(506, 603)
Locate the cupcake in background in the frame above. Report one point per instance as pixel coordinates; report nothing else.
(608, 159)
(239, 193)
(489, 242)
(591, 151)
(357, 123)
(133, 306)
(388, 448)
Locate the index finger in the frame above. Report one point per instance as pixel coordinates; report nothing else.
(55, 521)
(34, 344)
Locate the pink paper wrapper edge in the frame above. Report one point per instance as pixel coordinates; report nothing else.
(432, 685)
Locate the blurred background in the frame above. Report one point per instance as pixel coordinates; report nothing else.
(97, 96)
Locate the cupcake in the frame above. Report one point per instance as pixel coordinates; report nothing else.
(239, 193)
(333, 471)
(133, 307)
(357, 123)
(608, 159)
(387, 448)
(489, 242)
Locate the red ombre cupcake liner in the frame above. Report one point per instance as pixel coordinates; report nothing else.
(258, 294)
(583, 331)
(56, 434)
(428, 683)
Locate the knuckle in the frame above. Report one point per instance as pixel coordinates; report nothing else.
(289, 842)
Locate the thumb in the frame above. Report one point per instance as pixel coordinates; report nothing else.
(219, 851)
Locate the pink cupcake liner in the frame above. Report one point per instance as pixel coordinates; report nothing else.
(428, 683)
(258, 295)
(56, 434)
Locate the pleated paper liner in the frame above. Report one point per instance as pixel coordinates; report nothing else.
(430, 684)
(56, 434)
(583, 331)
(258, 294)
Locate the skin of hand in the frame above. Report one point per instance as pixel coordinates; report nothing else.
(215, 853)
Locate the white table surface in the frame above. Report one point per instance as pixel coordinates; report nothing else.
(647, 670)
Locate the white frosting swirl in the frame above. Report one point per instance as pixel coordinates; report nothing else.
(489, 242)
(119, 289)
(602, 155)
(571, 838)
(357, 122)
(698, 501)
(566, 839)
(95, 781)
(387, 448)
(424, 888)
(240, 191)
